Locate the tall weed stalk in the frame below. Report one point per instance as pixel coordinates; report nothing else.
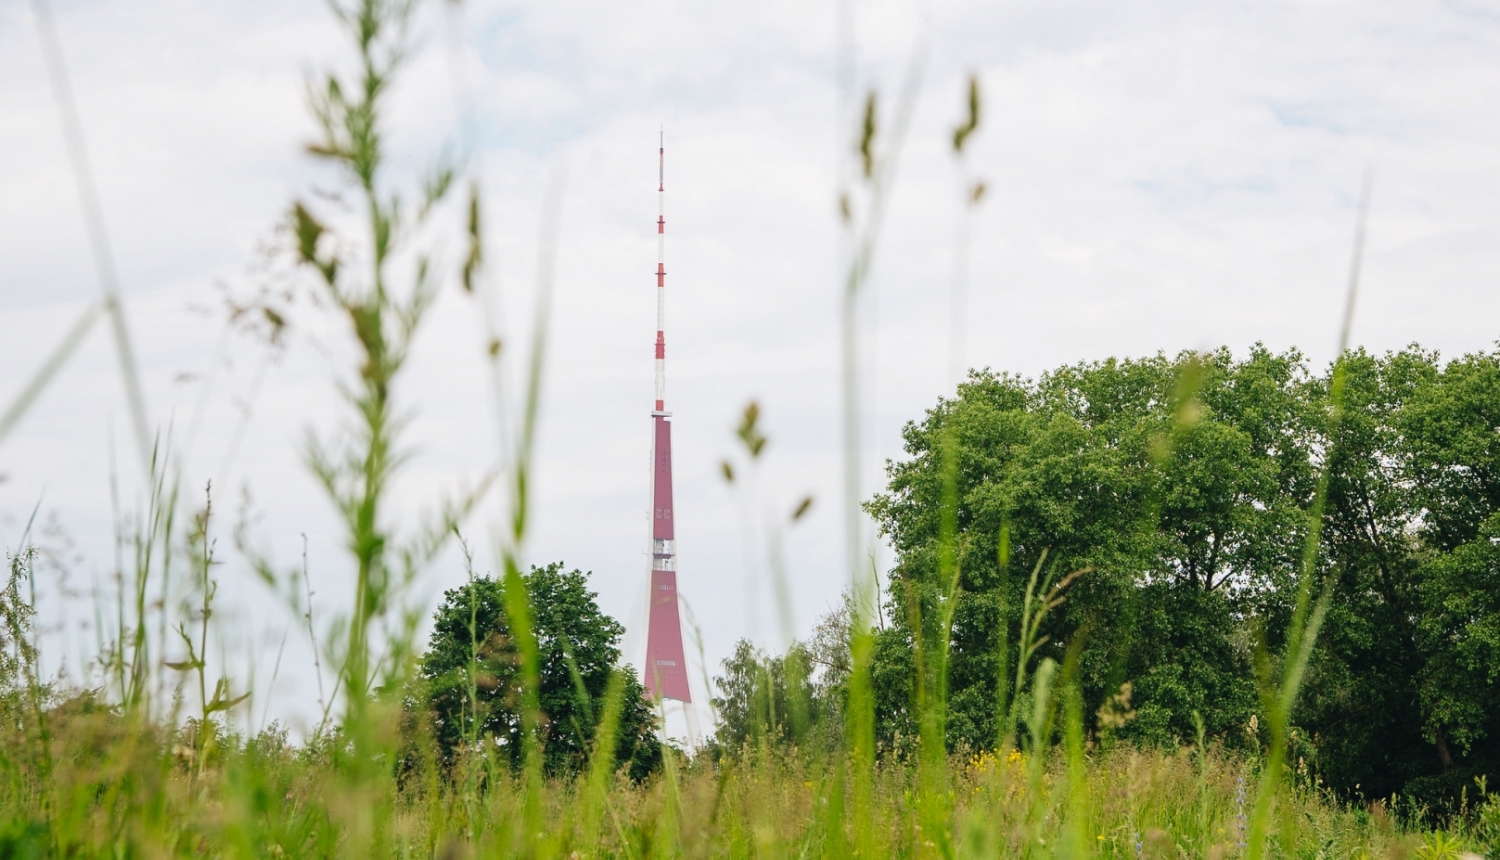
(1279, 684)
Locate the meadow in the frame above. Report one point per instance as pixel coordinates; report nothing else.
(152, 762)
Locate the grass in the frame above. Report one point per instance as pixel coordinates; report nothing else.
(120, 789)
(131, 770)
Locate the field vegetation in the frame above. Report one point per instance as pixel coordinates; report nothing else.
(1155, 608)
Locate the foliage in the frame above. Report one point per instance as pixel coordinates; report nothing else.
(17, 654)
(383, 316)
(796, 698)
(1403, 697)
(1181, 663)
(471, 672)
(1184, 487)
(1187, 475)
(766, 699)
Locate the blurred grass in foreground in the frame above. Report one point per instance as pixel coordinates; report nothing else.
(114, 793)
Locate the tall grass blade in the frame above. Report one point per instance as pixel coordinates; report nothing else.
(1279, 696)
(54, 362)
(93, 216)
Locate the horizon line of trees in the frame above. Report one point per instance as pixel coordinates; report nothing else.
(1182, 490)
(1175, 496)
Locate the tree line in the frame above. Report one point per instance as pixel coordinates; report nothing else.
(1175, 496)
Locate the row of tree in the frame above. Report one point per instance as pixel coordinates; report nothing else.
(1183, 493)
(1186, 492)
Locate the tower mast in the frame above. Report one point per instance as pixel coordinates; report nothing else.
(665, 671)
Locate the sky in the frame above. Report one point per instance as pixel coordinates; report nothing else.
(1160, 177)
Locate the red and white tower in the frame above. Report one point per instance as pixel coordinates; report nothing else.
(665, 672)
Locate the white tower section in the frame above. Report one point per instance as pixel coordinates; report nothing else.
(661, 274)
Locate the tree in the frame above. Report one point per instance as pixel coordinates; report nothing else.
(1452, 432)
(797, 697)
(1184, 487)
(471, 652)
(1158, 476)
(763, 698)
(1402, 697)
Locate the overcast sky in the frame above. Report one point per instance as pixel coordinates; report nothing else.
(1161, 177)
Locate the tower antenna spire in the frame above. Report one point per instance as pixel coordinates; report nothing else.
(661, 272)
(665, 669)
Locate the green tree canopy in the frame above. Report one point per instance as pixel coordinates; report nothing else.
(763, 697)
(471, 652)
(796, 697)
(1184, 487)
(1175, 482)
(1404, 694)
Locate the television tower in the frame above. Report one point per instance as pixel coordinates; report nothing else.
(665, 672)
